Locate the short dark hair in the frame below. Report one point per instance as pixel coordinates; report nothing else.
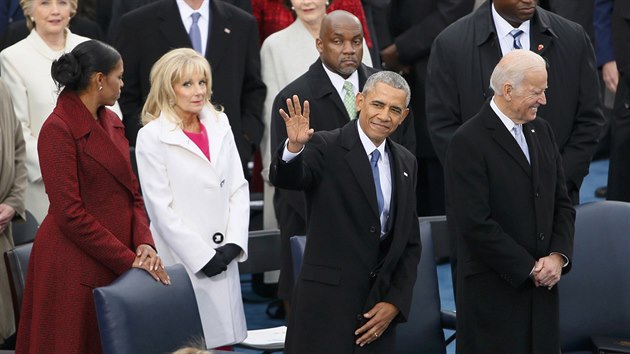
(73, 70)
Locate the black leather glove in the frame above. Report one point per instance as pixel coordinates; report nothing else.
(215, 266)
(229, 252)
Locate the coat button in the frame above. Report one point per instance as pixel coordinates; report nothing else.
(372, 229)
(537, 195)
(541, 236)
(372, 275)
(217, 238)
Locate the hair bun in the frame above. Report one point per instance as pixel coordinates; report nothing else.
(66, 71)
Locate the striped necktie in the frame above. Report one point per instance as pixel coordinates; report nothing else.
(515, 33)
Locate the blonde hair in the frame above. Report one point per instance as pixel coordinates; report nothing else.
(194, 346)
(174, 67)
(27, 8)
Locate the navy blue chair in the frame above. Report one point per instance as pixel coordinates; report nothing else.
(16, 261)
(263, 256)
(24, 231)
(137, 314)
(298, 244)
(423, 332)
(595, 294)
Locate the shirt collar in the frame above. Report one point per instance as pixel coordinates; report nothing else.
(368, 145)
(185, 10)
(509, 124)
(337, 81)
(504, 28)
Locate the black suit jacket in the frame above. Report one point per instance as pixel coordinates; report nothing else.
(580, 11)
(413, 25)
(619, 168)
(233, 52)
(121, 7)
(458, 79)
(327, 113)
(506, 214)
(341, 277)
(621, 34)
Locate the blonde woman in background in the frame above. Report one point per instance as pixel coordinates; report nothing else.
(25, 69)
(194, 189)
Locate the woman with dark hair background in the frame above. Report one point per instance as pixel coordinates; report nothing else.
(96, 227)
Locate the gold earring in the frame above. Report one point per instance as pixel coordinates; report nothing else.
(100, 88)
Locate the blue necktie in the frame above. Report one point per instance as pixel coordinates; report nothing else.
(515, 33)
(377, 179)
(520, 139)
(195, 33)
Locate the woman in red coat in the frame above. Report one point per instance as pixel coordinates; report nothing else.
(96, 227)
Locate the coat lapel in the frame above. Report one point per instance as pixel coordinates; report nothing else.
(534, 152)
(541, 33)
(217, 133)
(359, 164)
(401, 186)
(171, 26)
(98, 140)
(171, 134)
(322, 88)
(219, 36)
(504, 139)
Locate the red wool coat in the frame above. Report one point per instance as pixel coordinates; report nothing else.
(95, 222)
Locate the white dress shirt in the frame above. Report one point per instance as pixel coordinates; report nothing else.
(384, 170)
(185, 11)
(337, 82)
(503, 33)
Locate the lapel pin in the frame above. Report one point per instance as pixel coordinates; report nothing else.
(533, 131)
(540, 47)
(227, 30)
(405, 173)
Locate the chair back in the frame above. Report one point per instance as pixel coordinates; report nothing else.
(136, 314)
(595, 294)
(263, 252)
(422, 333)
(16, 261)
(298, 245)
(441, 241)
(24, 232)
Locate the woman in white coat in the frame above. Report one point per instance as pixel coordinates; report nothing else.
(25, 69)
(194, 189)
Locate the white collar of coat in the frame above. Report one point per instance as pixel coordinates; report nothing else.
(217, 127)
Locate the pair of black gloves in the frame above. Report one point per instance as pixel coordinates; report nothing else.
(225, 254)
